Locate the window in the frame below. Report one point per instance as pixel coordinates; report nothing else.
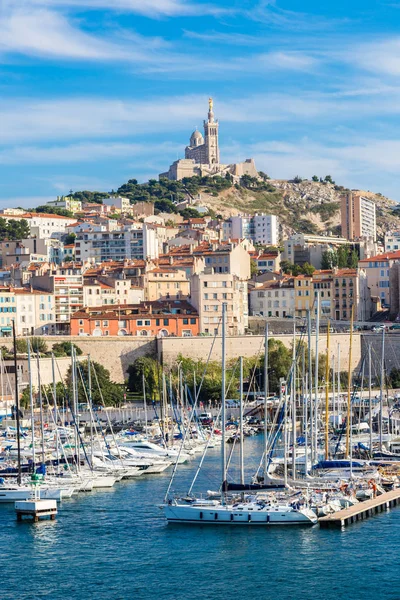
(205, 296)
(157, 322)
(80, 321)
(193, 321)
(186, 321)
(205, 283)
(97, 323)
(140, 323)
(147, 323)
(165, 321)
(105, 323)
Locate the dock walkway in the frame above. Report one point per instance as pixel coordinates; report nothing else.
(361, 511)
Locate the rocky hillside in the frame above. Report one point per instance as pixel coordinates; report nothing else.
(303, 206)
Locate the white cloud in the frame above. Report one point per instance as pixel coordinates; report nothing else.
(44, 33)
(382, 57)
(148, 8)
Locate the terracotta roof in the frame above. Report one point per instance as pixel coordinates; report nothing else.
(383, 257)
(30, 215)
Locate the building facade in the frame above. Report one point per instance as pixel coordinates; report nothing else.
(273, 298)
(358, 216)
(259, 228)
(209, 291)
(149, 319)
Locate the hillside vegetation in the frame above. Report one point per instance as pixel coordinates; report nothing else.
(305, 206)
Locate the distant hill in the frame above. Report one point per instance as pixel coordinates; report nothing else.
(305, 206)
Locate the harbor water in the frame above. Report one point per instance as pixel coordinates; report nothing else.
(116, 545)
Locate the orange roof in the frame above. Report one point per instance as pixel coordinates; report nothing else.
(383, 257)
(30, 215)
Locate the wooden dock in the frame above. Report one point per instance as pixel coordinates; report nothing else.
(361, 511)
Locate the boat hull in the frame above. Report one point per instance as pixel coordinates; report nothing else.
(228, 515)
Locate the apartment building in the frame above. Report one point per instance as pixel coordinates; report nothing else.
(377, 270)
(226, 257)
(66, 283)
(350, 290)
(260, 228)
(119, 204)
(209, 290)
(267, 262)
(67, 203)
(392, 241)
(32, 311)
(109, 291)
(42, 225)
(358, 217)
(273, 298)
(99, 243)
(149, 319)
(166, 283)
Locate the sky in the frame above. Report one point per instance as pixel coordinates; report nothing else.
(96, 92)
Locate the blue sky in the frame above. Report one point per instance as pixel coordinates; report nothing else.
(94, 92)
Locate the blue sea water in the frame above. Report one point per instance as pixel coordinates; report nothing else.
(116, 545)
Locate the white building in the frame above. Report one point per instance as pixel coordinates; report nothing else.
(392, 241)
(67, 203)
(273, 298)
(43, 225)
(99, 243)
(121, 204)
(209, 291)
(260, 228)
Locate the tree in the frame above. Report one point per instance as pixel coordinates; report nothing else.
(69, 239)
(148, 367)
(329, 259)
(253, 268)
(111, 393)
(37, 344)
(286, 267)
(315, 178)
(394, 378)
(353, 259)
(14, 229)
(65, 349)
(328, 179)
(342, 254)
(54, 210)
(307, 269)
(190, 213)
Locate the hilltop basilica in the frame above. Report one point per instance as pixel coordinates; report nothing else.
(202, 155)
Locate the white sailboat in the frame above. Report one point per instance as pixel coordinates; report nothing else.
(263, 509)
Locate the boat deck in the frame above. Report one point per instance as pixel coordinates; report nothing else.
(361, 511)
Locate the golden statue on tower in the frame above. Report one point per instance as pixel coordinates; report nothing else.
(210, 104)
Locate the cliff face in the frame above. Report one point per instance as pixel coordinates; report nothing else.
(303, 206)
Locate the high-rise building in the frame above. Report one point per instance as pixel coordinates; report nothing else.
(358, 217)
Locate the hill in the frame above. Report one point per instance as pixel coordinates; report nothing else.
(305, 206)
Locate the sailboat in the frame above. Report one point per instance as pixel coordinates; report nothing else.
(250, 509)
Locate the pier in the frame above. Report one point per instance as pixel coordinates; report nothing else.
(36, 509)
(361, 511)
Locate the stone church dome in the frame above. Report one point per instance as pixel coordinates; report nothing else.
(196, 139)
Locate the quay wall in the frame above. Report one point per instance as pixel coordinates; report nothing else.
(117, 353)
(250, 345)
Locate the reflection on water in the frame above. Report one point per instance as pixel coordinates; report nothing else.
(117, 546)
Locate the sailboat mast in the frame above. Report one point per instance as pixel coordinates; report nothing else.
(327, 396)
(266, 391)
(241, 422)
(31, 406)
(316, 378)
(348, 417)
(40, 406)
(17, 402)
(294, 374)
(223, 388)
(381, 393)
(144, 403)
(370, 396)
(310, 385)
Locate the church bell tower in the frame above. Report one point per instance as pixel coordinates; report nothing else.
(211, 136)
